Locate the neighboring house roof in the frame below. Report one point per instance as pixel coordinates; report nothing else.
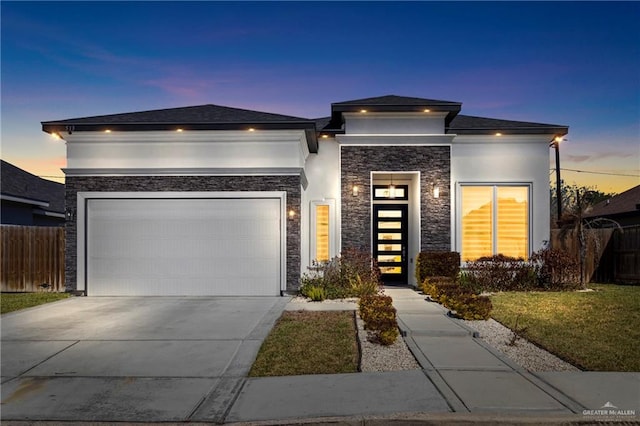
(625, 203)
(467, 124)
(21, 186)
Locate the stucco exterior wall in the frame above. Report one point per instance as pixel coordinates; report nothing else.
(290, 184)
(323, 174)
(155, 150)
(506, 159)
(394, 123)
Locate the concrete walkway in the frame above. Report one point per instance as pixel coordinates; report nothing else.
(476, 378)
(461, 380)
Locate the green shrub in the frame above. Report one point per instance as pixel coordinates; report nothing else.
(470, 306)
(363, 287)
(389, 336)
(556, 269)
(435, 287)
(352, 274)
(379, 316)
(499, 273)
(369, 304)
(316, 294)
(437, 264)
(467, 304)
(427, 286)
(470, 284)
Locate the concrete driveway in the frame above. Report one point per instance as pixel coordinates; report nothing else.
(131, 358)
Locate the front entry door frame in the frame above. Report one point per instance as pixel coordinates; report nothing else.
(391, 242)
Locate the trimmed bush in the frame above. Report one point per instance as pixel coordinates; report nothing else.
(369, 304)
(470, 306)
(499, 273)
(436, 286)
(379, 317)
(437, 264)
(464, 302)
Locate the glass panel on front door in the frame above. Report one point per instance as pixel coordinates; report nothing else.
(390, 241)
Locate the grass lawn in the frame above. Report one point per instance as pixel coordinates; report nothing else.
(596, 331)
(307, 342)
(10, 302)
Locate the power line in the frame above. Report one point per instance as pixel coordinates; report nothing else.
(599, 173)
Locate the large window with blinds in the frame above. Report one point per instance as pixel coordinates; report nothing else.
(494, 220)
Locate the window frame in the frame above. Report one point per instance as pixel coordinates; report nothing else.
(313, 222)
(405, 197)
(494, 190)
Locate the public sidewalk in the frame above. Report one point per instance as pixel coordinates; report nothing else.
(461, 380)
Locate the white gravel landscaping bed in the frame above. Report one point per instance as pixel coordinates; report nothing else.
(396, 357)
(523, 353)
(376, 357)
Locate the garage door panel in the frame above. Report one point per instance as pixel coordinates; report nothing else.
(183, 246)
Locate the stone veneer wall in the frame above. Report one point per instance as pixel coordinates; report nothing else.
(290, 184)
(434, 165)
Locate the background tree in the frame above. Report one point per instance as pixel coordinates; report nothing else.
(574, 203)
(577, 201)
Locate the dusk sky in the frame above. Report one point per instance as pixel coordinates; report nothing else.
(567, 63)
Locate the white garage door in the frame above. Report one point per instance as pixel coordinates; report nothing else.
(183, 247)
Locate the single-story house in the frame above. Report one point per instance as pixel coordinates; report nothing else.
(623, 209)
(29, 200)
(214, 200)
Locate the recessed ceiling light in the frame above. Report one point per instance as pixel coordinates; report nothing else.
(107, 131)
(325, 136)
(251, 129)
(363, 111)
(498, 134)
(55, 135)
(427, 110)
(178, 130)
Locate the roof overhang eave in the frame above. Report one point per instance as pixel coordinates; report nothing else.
(309, 127)
(64, 126)
(556, 131)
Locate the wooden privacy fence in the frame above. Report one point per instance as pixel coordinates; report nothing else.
(626, 255)
(32, 258)
(612, 255)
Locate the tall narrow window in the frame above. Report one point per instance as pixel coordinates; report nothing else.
(322, 245)
(322, 233)
(494, 220)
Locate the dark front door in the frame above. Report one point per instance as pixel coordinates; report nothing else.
(390, 241)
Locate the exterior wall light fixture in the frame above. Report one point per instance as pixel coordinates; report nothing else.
(292, 213)
(355, 190)
(436, 192)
